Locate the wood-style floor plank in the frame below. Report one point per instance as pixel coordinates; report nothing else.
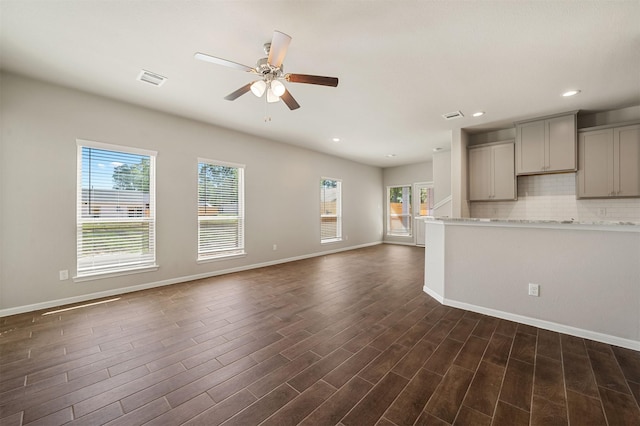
(344, 339)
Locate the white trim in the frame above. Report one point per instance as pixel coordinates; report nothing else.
(108, 293)
(535, 322)
(221, 257)
(433, 294)
(331, 240)
(338, 214)
(80, 220)
(112, 147)
(410, 215)
(416, 196)
(443, 202)
(221, 163)
(209, 256)
(111, 274)
(400, 243)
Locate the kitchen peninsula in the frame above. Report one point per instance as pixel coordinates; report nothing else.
(588, 273)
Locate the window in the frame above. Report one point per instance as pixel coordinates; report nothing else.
(220, 209)
(116, 209)
(330, 210)
(424, 192)
(399, 210)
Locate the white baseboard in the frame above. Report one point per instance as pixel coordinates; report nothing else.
(535, 322)
(401, 243)
(433, 294)
(109, 293)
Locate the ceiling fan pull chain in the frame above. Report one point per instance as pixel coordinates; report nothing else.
(267, 118)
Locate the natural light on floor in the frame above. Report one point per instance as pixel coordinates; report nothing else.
(80, 306)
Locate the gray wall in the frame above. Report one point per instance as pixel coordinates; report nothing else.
(40, 125)
(588, 275)
(442, 183)
(404, 175)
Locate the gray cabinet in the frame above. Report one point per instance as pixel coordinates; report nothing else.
(609, 162)
(491, 172)
(546, 145)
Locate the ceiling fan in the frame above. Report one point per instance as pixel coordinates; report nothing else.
(271, 73)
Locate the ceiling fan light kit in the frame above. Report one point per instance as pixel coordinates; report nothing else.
(277, 88)
(271, 73)
(272, 97)
(258, 87)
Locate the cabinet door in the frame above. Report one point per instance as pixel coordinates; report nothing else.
(560, 144)
(504, 179)
(479, 173)
(595, 171)
(626, 160)
(530, 141)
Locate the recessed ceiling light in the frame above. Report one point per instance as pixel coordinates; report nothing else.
(478, 114)
(336, 139)
(570, 93)
(390, 155)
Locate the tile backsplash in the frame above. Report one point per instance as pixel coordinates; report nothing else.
(553, 197)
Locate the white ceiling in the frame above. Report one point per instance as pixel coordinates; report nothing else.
(401, 64)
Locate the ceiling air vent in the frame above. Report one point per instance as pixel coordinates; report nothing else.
(151, 78)
(453, 115)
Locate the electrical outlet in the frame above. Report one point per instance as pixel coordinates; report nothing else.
(275, 247)
(602, 211)
(534, 290)
(64, 274)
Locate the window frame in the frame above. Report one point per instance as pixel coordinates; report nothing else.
(391, 215)
(417, 206)
(115, 269)
(229, 253)
(337, 215)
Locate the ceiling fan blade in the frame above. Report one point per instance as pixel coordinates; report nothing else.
(224, 62)
(312, 79)
(288, 99)
(241, 91)
(279, 45)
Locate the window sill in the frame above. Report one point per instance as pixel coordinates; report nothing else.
(332, 240)
(102, 275)
(221, 257)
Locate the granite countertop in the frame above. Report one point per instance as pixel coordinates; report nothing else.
(532, 222)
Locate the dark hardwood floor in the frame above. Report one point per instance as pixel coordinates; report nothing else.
(346, 339)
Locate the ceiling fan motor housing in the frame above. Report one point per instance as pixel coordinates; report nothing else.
(263, 67)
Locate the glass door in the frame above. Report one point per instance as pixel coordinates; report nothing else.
(423, 206)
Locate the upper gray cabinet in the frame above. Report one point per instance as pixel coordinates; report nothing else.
(546, 145)
(609, 162)
(491, 172)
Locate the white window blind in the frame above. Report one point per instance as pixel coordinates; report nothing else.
(399, 210)
(116, 209)
(220, 209)
(330, 210)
